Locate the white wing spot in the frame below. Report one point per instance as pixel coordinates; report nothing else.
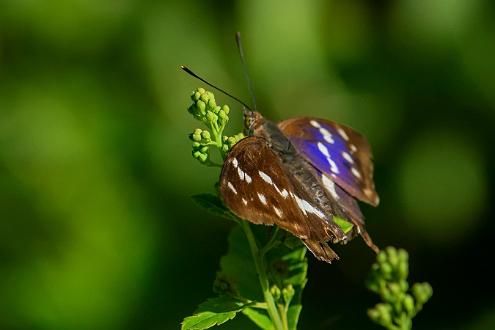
(356, 173)
(278, 211)
(244, 201)
(315, 123)
(324, 150)
(262, 198)
(265, 177)
(241, 173)
(327, 135)
(329, 186)
(231, 187)
(353, 148)
(343, 133)
(306, 207)
(284, 193)
(299, 203)
(248, 178)
(347, 157)
(368, 192)
(235, 162)
(333, 166)
(311, 209)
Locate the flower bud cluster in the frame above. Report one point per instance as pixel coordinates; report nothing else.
(205, 109)
(388, 279)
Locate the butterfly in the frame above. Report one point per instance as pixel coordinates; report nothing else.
(301, 174)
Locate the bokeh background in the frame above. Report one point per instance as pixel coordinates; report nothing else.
(97, 228)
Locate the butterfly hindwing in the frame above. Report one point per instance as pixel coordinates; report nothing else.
(255, 186)
(337, 151)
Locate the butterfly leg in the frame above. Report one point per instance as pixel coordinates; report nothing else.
(367, 239)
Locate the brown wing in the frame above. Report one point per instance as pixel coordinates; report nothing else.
(255, 187)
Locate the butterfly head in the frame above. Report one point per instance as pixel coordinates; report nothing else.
(253, 121)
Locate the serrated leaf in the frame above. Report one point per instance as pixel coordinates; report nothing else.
(259, 318)
(214, 311)
(214, 205)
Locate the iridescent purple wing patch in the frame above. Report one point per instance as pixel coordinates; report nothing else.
(336, 150)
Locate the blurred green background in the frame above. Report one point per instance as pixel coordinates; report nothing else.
(97, 228)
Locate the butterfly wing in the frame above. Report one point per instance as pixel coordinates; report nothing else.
(255, 186)
(337, 151)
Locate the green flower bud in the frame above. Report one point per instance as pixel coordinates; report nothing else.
(374, 315)
(226, 109)
(201, 107)
(196, 145)
(387, 295)
(223, 115)
(403, 269)
(403, 255)
(275, 291)
(206, 135)
(393, 257)
(408, 304)
(225, 138)
(225, 148)
(386, 269)
(288, 293)
(422, 292)
(211, 104)
(384, 312)
(211, 117)
(203, 158)
(394, 288)
(381, 257)
(404, 286)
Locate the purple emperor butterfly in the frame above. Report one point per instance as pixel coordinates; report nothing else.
(300, 174)
(303, 175)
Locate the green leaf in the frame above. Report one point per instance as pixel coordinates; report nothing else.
(293, 316)
(214, 205)
(214, 311)
(238, 267)
(345, 225)
(259, 318)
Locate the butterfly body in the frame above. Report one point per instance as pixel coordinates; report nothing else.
(288, 174)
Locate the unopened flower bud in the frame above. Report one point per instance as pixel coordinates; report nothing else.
(408, 303)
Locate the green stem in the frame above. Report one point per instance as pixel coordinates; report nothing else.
(271, 242)
(283, 313)
(260, 269)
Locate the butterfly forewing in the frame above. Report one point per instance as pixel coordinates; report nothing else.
(336, 150)
(255, 186)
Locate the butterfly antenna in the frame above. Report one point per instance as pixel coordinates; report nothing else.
(244, 68)
(185, 68)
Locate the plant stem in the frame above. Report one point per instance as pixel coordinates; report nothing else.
(260, 269)
(271, 242)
